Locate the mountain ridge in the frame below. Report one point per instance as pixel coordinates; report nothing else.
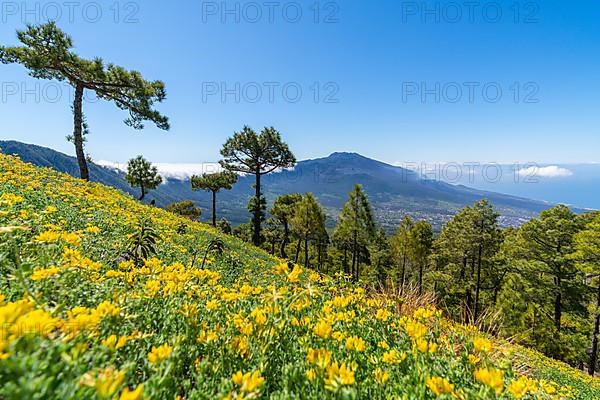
(393, 190)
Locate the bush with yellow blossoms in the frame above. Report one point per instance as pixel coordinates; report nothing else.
(82, 321)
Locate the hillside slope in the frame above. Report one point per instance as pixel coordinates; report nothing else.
(394, 191)
(81, 321)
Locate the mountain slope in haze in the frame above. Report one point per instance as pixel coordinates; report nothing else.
(394, 191)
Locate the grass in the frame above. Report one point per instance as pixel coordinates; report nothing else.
(80, 321)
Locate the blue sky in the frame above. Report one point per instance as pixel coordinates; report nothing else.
(369, 59)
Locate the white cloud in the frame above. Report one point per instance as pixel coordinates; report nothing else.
(171, 170)
(551, 171)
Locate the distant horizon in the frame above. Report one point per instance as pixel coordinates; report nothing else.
(565, 183)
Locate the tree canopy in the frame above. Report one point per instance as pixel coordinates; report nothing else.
(141, 173)
(214, 183)
(47, 53)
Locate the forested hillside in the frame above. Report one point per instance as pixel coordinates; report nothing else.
(103, 297)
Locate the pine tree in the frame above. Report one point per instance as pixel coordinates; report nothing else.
(465, 255)
(214, 183)
(381, 258)
(543, 246)
(308, 223)
(258, 154)
(402, 247)
(273, 234)
(47, 54)
(283, 209)
(587, 254)
(356, 228)
(142, 174)
(422, 234)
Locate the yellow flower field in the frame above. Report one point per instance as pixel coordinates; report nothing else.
(81, 320)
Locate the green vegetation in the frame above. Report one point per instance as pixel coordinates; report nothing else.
(102, 297)
(214, 183)
(142, 174)
(257, 154)
(186, 208)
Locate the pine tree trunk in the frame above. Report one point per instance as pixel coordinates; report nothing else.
(594, 350)
(214, 210)
(298, 251)
(256, 233)
(306, 261)
(84, 172)
(319, 262)
(143, 192)
(354, 251)
(286, 238)
(558, 305)
(478, 285)
(469, 300)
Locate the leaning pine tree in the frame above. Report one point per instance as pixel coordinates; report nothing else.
(258, 154)
(47, 54)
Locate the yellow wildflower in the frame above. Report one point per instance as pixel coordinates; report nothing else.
(481, 344)
(522, 386)
(319, 357)
(248, 382)
(381, 376)
(44, 273)
(338, 376)
(383, 344)
(415, 330)
(490, 377)
(106, 382)
(323, 329)
(115, 342)
(383, 315)
(207, 337)
(159, 353)
(92, 229)
(11, 199)
(243, 325)
(439, 386)
(355, 343)
(426, 347)
(281, 269)
(474, 360)
(293, 277)
(240, 343)
(48, 237)
(423, 314)
(259, 315)
(314, 277)
(212, 305)
(71, 238)
(135, 394)
(393, 357)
